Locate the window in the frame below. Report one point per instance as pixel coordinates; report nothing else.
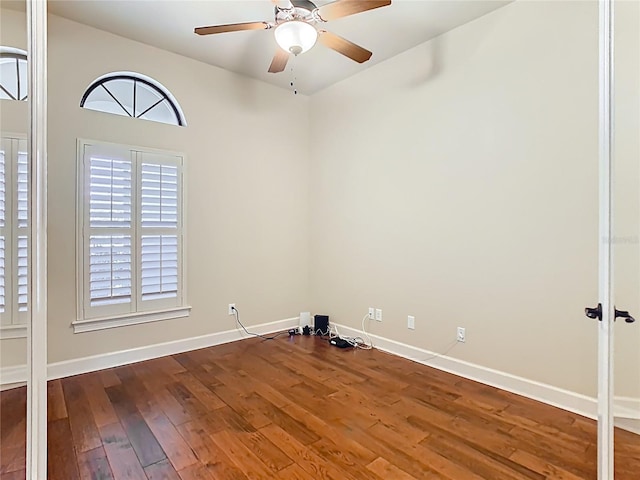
(131, 259)
(13, 74)
(133, 95)
(14, 237)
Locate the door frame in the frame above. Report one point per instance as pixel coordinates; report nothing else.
(36, 463)
(605, 249)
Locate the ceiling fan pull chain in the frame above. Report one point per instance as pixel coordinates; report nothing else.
(293, 80)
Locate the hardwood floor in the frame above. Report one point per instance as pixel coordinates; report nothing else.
(300, 409)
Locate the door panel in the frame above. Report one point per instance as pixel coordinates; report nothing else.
(626, 240)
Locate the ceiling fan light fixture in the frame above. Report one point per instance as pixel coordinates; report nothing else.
(296, 36)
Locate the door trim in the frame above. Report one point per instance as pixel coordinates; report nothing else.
(605, 250)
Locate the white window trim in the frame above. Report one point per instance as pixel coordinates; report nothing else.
(81, 324)
(172, 100)
(17, 51)
(13, 331)
(93, 324)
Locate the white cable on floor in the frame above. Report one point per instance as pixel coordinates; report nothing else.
(356, 342)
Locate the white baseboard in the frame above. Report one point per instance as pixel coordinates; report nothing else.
(627, 409)
(629, 425)
(12, 377)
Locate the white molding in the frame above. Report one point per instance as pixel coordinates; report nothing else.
(13, 50)
(13, 331)
(36, 451)
(11, 377)
(626, 408)
(93, 324)
(630, 425)
(124, 357)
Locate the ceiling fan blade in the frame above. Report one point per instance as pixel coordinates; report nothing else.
(343, 8)
(232, 27)
(343, 46)
(279, 61)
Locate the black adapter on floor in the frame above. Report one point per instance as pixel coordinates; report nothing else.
(339, 342)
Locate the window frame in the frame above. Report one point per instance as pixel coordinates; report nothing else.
(18, 54)
(90, 318)
(16, 325)
(136, 77)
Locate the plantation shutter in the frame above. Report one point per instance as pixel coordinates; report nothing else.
(110, 232)
(3, 233)
(159, 229)
(131, 231)
(14, 231)
(22, 186)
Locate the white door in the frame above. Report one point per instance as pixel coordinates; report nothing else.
(619, 241)
(626, 240)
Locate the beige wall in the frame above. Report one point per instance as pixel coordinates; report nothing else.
(461, 187)
(247, 208)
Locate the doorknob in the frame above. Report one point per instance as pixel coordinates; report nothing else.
(594, 312)
(597, 313)
(624, 314)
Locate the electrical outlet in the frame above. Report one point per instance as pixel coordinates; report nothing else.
(379, 314)
(372, 313)
(461, 334)
(232, 307)
(411, 322)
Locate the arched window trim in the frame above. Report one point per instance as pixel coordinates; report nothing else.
(18, 54)
(137, 77)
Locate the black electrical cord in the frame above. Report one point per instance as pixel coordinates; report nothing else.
(237, 314)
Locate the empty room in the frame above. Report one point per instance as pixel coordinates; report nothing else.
(331, 239)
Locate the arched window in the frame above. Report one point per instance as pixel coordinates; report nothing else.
(13, 74)
(133, 95)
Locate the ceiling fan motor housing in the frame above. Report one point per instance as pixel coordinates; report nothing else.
(306, 4)
(300, 10)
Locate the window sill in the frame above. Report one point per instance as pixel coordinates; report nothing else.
(13, 331)
(90, 325)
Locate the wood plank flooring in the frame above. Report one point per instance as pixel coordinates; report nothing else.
(300, 409)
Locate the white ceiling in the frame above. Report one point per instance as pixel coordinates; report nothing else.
(169, 24)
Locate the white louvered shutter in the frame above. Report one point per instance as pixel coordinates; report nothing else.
(159, 230)
(131, 230)
(22, 250)
(14, 231)
(3, 233)
(108, 241)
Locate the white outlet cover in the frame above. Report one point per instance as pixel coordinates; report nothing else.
(231, 307)
(461, 334)
(372, 313)
(411, 322)
(379, 314)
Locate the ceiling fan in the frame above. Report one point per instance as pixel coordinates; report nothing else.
(296, 28)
